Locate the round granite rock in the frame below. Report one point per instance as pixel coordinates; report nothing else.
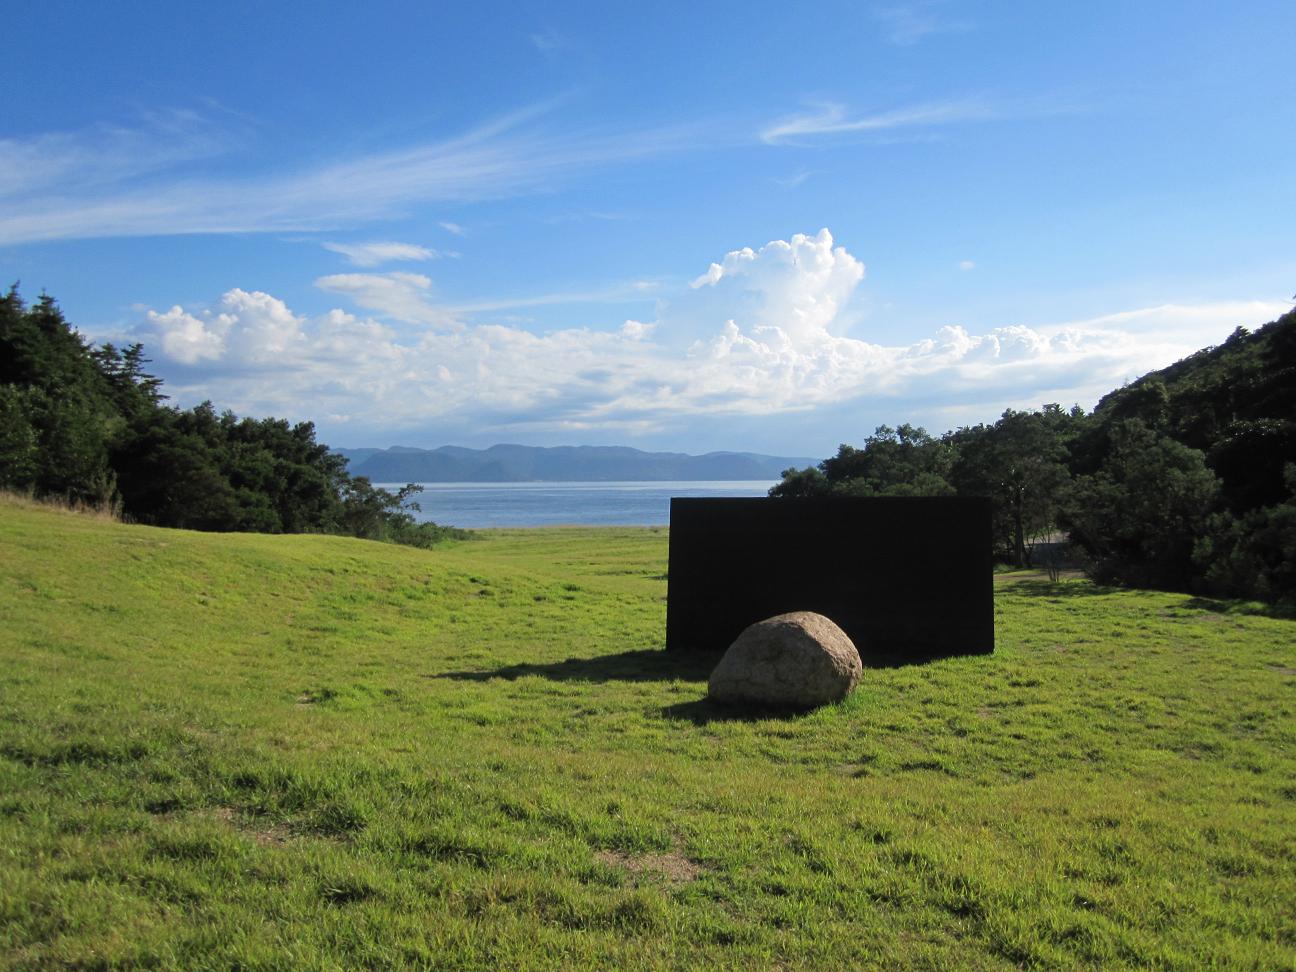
(798, 660)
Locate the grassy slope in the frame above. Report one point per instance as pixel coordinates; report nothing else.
(317, 752)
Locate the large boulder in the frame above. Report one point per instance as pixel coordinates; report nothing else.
(798, 660)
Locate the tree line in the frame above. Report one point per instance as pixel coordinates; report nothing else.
(1184, 479)
(89, 424)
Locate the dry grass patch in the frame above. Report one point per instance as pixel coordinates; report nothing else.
(264, 833)
(107, 511)
(672, 865)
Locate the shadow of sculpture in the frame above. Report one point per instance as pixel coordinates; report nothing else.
(1068, 589)
(640, 665)
(1056, 589)
(1279, 611)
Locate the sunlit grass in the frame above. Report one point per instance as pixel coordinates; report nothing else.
(314, 752)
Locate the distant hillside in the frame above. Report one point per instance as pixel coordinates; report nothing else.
(1236, 402)
(518, 463)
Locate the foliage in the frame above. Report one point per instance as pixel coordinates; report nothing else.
(1235, 402)
(249, 751)
(1020, 464)
(904, 461)
(56, 416)
(19, 443)
(89, 424)
(261, 475)
(1252, 554)
(1140, 515)
(378, 514)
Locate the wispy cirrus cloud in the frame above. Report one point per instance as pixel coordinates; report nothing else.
(374, 253)
(108, 155)
(409, 297)
(830, 118)
(796, 179)
(142, 192)
(550, 43)
(905, 24)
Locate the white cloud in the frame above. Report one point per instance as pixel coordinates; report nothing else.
(372, 254)
(761, 334)
(637, 330)
(800, 286)
(967, 264)
(254, 328)
(403, 296)
(454, 228)
(185, 338)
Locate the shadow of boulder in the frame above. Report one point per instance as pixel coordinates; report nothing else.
(705, 710)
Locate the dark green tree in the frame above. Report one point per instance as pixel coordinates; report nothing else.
(1020, 464)
(798, 483)
(19, 444)
(1252, 554)
(904, 461)
(1140, 515)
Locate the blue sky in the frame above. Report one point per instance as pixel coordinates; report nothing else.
(753, 226)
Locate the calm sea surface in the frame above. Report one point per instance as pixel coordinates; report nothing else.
(481, 505)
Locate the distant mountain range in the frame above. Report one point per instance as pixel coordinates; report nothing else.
(517, 464)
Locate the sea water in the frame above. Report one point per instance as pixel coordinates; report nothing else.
(476, 506)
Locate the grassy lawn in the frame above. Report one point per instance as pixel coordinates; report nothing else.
(309, 752)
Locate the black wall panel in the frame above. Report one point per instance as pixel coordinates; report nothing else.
(907, 578)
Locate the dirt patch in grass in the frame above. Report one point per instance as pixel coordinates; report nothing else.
(672, 865)
(265, 833)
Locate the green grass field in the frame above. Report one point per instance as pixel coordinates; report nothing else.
(222, 751)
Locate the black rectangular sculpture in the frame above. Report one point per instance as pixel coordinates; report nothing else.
(907, 578)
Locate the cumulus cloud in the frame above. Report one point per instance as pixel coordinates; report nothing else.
(375, 253)
(799, 286)
(186, 338)
(252, 328)
(761, 333)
